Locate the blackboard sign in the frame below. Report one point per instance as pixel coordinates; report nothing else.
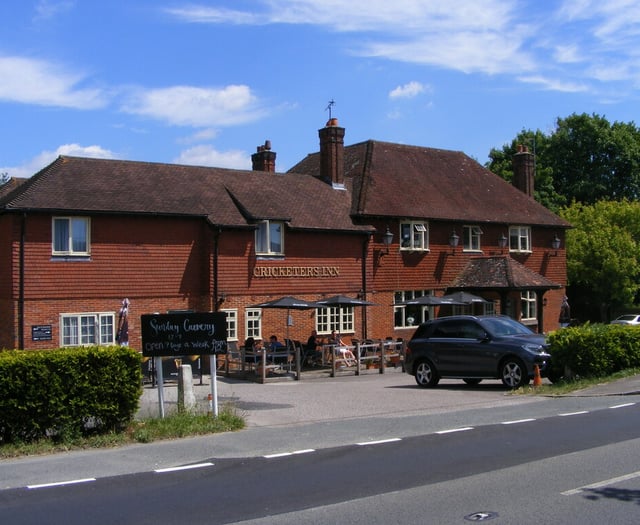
(41, 332)
(184, 334)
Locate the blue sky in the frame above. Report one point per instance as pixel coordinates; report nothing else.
(206, 82)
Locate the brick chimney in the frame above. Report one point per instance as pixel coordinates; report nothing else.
(524, 170)
(264, 159)
(332, 153)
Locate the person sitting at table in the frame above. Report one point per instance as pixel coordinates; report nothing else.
(277, 346)
(250, 350)
(311, 353)
(340, 346)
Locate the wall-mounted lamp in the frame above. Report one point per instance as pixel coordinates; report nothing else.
(502, 241)
(555, 244)
(454, 239)
(544, 301)
(222, 298)
(387, 239)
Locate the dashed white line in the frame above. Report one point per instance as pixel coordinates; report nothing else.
(516, 421)
(183, 467)
(601, 483)
(379, 442)
(61, 483)
(623, 405)
(574, 413)
(293, 453)
(452, 430)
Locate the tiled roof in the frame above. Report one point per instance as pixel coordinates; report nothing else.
(10, 186)
(232, 198)
(396, 180)
(499, 272)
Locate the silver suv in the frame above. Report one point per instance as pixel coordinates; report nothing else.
(473, 348)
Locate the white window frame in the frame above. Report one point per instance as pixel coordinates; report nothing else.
(73, 236)
(87, 328)
(410, 316)
(414, 236)
(232, 324)
(338, 318)
(528, 305)
(269, 238)
(520, 239)
(253, 323)
(471, 238)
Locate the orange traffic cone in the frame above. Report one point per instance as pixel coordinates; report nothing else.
(537, 380)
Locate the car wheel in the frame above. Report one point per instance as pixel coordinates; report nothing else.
(472, 381)
(513, 373)
(426, 375)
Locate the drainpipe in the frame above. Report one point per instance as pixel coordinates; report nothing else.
(216, 253)
(23, 228)
(365, 251)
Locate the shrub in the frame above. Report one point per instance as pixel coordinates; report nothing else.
(67, 392)
(594, 350)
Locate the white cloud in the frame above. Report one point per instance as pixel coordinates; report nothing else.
(410, 90)
(199, 136)
(553, 84)
(199, 107)
(47, 9)
(206, 155)
(31, 81)
(45, 158)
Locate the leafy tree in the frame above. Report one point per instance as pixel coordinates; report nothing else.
(585, 159)
(4, 178)
(603, 256)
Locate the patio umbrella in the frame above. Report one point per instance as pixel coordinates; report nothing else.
(288, 303)
(464, 298)
(342, 300)
(429, 300)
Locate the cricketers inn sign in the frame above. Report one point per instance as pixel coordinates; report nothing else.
(296, 271)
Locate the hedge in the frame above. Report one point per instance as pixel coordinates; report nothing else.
(70, 391)
(594, 350)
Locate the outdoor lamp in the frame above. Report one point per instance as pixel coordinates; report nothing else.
(454, 239)
(502, 241)
(387, 239)
(555, 243)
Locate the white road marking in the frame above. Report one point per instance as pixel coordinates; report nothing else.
(623, 405)
(365, 443)
(61, 483)
(517, 421)
(574, 413)
(450, 431)
(184, 467)
(285, 454)
(602, 483)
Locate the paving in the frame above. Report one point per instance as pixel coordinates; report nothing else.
(317, 411)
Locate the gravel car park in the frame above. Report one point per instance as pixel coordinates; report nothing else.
(473, 348)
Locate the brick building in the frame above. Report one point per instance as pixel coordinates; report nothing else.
(374, 220)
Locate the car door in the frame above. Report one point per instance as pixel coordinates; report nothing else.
(462, 350)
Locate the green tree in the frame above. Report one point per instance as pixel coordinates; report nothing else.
(501, 163)
(584, 159)
(603, 254)
(4, 178)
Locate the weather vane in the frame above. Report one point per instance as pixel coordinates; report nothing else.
(331, 104)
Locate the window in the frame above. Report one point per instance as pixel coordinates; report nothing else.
(232, 324)
(338, 318)
(528, 305)
(253, 323)
(471, 238)
(87, 329)
(70, 236)
(270, 238)
(406, 316)
(414, 236)
(520, 239)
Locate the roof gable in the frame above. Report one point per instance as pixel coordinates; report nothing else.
(396, 180)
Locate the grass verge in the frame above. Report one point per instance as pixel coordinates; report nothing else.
(173, 426)
(571, 385)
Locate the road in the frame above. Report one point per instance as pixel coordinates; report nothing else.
(565, 462)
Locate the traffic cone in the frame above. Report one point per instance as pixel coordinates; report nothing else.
(210, 400)
(537, 380)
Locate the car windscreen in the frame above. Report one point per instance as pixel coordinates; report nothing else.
(501, 326)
